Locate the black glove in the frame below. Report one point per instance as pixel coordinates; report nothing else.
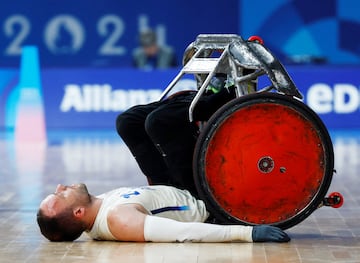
(265, 233)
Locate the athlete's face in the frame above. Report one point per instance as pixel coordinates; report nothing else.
(65, 197)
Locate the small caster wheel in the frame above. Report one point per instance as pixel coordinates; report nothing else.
(335, 200)
(256, 39)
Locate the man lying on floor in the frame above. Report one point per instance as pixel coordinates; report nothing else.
(150, 213)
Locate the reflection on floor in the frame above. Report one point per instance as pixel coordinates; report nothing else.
(29, 171)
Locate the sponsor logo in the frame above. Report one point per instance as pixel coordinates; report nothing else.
(103, 98)
(96, 98)
(341, 98)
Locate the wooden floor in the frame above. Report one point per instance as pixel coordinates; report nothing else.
(30, 171)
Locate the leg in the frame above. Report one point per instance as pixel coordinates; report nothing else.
(175, 136)
(162, 139)
(130, 127)
(171, 131)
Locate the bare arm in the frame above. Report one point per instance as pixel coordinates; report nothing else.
(126, 222)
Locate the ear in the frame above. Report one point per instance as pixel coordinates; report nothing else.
(79, 211)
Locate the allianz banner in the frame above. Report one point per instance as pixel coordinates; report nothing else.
(92, 98)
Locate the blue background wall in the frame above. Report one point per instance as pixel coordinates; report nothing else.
(328, 29)
(85, 51)
(103, 33)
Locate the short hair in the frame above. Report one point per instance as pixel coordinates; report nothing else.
(62, 227)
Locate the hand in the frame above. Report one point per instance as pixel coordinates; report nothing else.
(265, 233)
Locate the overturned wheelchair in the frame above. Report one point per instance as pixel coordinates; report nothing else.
(264, 157)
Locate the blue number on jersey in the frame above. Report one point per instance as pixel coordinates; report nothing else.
(128, 195)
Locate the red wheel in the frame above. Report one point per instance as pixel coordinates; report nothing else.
(337, 200)
(256, 39)
(263, 158)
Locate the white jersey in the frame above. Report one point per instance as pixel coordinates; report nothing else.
(162, 201)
